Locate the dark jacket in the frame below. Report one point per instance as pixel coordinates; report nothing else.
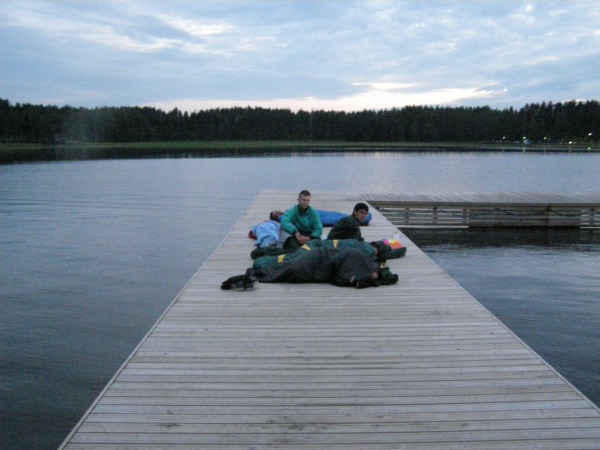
(266, 257)
(346, 228)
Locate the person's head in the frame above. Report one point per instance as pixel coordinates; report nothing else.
(275, 215)
(360, 211)
(303, 200)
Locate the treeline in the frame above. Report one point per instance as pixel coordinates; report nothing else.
(545, 122)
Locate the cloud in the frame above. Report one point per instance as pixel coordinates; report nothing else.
(50, 21)
(194, 28)
(125, 30)
(300, 54)
(378, 96)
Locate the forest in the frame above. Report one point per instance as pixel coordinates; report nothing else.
(547, 122)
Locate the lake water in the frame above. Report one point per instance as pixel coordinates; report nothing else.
(92, 252)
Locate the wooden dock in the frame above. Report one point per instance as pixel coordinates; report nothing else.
(522, 210)
(420, 364)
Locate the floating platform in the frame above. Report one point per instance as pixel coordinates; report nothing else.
(516, 210)
(420, 365)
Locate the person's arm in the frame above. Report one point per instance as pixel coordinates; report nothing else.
(345, 228)
(355, 230)
(286, 222)
(317, 226)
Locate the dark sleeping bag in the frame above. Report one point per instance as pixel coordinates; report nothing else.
(364, 247)
(345, 267)
(351, 267)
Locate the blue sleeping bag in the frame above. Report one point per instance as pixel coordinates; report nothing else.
(330, 218)
(266, 233)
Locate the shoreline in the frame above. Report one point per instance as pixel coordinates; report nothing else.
(14, 153)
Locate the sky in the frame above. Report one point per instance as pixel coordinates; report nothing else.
(340, 55)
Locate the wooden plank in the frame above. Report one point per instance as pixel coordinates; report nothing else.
(420, 364)
(489, 210)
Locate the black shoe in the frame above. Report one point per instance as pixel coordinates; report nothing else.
(239, 282)
(242, 285)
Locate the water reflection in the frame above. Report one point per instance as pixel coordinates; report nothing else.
(91, 152)
(94, 251)
(505, 237)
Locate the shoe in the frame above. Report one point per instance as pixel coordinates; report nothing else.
(239, 282)
(242, 285)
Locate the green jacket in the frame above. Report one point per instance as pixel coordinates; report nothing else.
(270, 259)
(307, 222)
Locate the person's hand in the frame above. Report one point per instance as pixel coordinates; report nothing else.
(301, 238)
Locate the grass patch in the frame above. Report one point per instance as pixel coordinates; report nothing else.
(13, 152)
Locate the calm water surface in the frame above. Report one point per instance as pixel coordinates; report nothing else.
(92, 252)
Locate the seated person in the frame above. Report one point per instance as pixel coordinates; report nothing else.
(349, 226)
(301, 223)
(267, 233)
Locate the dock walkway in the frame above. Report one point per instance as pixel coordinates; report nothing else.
(521, 210)
(420, 364)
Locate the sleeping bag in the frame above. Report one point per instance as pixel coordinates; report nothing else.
(347, 267)
(266, 233)
(270, 258)
(330, 218)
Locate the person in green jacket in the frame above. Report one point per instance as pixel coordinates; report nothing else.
(300, 223)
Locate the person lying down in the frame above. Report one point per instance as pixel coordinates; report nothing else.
(379, 251)
(341, 267)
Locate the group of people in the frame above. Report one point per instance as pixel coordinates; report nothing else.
(290, 249)
(302, 223)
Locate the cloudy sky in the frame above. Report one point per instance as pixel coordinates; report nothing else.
(311, 54)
